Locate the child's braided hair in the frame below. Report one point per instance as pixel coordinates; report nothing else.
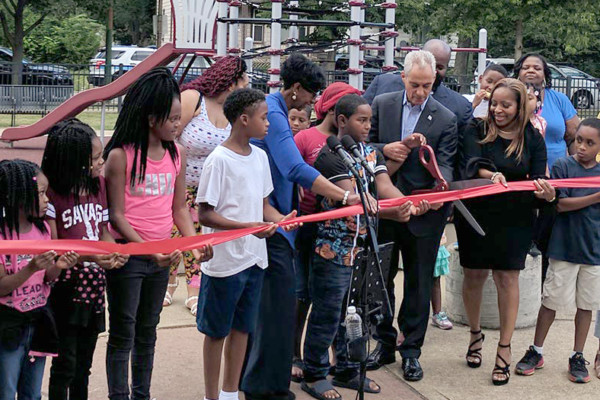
(18, 193)
(68, 157)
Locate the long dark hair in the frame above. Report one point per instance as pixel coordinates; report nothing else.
(18, 181)
(547, 72)
(68, 157)
(517, 145)
(150, 96)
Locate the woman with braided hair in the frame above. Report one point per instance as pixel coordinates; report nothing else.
(203, 128)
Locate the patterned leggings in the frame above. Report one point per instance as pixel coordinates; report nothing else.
(192, 268)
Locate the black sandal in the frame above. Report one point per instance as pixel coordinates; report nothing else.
(498, 370)
(475, 353)
(298, 363)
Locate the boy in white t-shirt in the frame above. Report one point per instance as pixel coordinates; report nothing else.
(232, 194)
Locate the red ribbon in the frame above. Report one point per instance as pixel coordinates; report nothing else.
(84, 247)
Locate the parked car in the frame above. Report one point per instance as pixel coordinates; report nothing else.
(581, 88)
(127, 56)
(33, 74)
(372, 68)
(373, 65)
(508, 63)
(587, 86)
(258, 80)
(200, 64)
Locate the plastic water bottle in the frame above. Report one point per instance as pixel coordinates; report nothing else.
(353, 324)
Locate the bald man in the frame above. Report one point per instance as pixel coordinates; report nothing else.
(458, 104)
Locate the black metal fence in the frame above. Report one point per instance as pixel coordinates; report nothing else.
(43, 87)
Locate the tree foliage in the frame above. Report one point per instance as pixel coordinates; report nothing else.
(561, 30)
(133, 21)
(12, 14)
(72, 40)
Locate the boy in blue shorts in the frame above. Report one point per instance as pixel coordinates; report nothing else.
(574, 252)
(233, 193)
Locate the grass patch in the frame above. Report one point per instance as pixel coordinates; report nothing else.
(92, 118)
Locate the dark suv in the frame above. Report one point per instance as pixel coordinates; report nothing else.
(33, 74)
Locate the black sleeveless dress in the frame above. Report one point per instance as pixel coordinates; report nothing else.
(506, 218)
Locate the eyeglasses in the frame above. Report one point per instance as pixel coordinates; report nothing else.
(314, 94)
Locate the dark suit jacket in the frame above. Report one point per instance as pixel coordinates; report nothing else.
(462, 108)
(453, 101)
(438, 125)
(384, 83)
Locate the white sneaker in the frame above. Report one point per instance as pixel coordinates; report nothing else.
(441, 321)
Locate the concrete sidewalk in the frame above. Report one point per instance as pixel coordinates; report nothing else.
(178, 370)
(178, 366)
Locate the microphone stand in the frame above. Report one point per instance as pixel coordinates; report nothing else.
(357, 349)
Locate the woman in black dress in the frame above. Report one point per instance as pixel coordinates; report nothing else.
(504, 148)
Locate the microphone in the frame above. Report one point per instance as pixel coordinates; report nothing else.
(350, 145)
(335, 145)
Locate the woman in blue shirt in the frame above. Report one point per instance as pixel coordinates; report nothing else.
(562, 121)
(557, 109)
(269, 365)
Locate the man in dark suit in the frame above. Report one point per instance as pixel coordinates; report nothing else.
(384, 83)
(458, 104)
(396, 116)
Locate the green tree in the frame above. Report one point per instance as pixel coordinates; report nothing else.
(72, 40)
(558, 29)
(133, 21)
(12, 18)
(132, 18)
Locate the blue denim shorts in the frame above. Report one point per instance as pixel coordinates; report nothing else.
(229, 303)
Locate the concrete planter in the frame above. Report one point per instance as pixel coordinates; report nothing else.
(529, 295)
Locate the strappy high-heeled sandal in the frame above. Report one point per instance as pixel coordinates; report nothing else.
(499, 370)
(475, 353)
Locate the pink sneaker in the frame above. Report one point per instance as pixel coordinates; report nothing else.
(441, 321)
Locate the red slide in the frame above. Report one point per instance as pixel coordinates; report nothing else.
(82, 100)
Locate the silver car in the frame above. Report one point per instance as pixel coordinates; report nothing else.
(128, 56)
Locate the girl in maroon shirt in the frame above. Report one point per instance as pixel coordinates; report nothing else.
(77, 210)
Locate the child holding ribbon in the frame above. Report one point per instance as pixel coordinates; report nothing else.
(145, 177)
(27, 330)
(77, 209)
(574, 253)
(233, 193)
(338, 243)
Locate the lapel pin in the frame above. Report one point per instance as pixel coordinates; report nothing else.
(429, 117)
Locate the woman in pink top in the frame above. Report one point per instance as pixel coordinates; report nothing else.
(27, 333)
(309, 142)
(203, 127)
(146, 194)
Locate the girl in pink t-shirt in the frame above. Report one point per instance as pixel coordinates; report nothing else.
(24, 281)
(145, 179)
